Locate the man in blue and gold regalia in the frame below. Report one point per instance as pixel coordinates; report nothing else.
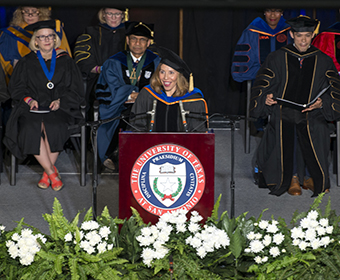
(122, 77)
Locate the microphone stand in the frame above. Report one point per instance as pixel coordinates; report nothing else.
(232, 119)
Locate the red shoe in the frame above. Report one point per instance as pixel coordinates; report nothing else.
(56, 184)
(44, 182)
(56, 170)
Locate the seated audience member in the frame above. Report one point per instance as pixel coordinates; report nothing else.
(123, 76)
(328, 42)
(98, 43)
(171, 84)
(46, 89)
(14, 40)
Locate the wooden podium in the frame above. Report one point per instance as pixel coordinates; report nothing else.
(162, 172)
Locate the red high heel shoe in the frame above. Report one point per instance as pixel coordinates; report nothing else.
(56, 184)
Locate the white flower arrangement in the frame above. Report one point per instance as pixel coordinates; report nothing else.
(93, 238)
(203, 240)
(24, 246)
(265, 241)
(312, 233)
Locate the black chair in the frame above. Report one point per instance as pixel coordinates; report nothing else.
(78, 135)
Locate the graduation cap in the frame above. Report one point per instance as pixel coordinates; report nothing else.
(168, 57)
(139, 29)
(304, 24)
(41, 24)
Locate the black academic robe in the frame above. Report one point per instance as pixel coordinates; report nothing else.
(298, 77)
(23, 129)
(93, 47)
(168, 117)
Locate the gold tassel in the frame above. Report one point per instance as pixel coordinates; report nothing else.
(57, 25)
(191, 83)
(126, 14)
(316, 31)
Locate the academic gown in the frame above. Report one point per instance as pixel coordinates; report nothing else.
(256, 42)
(168, 115)
(329, 42)
(14, 41)
(298, 77)
(93, 47)
(113, 89)
(23, 130)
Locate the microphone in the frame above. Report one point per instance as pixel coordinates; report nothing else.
(152, 113)
(183, 113)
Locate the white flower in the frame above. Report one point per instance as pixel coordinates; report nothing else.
(267, 240)
(26, 232)
(104, 232)
(324, 222)
(68, 237)
(13, 251)
(303, 245)
(146, 231)
(258, 236)
(109, 246)
(313, 215)
(274, 251)
(196, 242)
(310, 234)
(325, 241)
(89, 225)
(15, 237)
(272, 228)
(147, 255)
(315, 244)
(256, 246)
(2, 228)
(321, 230)
(313, 223)
(296, 242)
(283, 251)
(163, 236)
(180, 228)
(263, 224)
(101, 247)
(264, 259)
(251, 235)
(93, 237)
(161, 253)
(258, 259)
(278, 238)
(27, 259)
(166, 217)
(201, 252)
(193, 227)
(329, 229)
(297, 232)
(305, 223)
(247, 250)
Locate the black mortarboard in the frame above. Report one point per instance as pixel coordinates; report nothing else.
(168, 57)
(303, 24)
(139, 29)
(41, 24)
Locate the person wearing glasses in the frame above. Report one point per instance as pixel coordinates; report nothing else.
(46, 90)
(98, 43)
(14, 40)
(122, 77)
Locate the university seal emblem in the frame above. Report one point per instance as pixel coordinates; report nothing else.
(167, 177)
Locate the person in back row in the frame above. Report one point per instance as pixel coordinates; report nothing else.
(123, 76)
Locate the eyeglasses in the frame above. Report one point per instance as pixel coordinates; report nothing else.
(140, 40)
(44, 37)
(30, 14)
(276, 11)
(116, 15)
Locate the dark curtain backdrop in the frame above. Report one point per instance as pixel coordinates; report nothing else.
(210, 36)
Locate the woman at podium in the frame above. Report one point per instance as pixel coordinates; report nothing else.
(170, 103)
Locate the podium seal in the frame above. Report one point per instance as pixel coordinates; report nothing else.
(166, 178)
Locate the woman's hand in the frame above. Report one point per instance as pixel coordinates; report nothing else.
(33, 104)
(55, 105)
(316, 105)
(269, 100)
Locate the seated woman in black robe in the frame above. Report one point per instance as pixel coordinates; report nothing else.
(179, 106)
(47, 90)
